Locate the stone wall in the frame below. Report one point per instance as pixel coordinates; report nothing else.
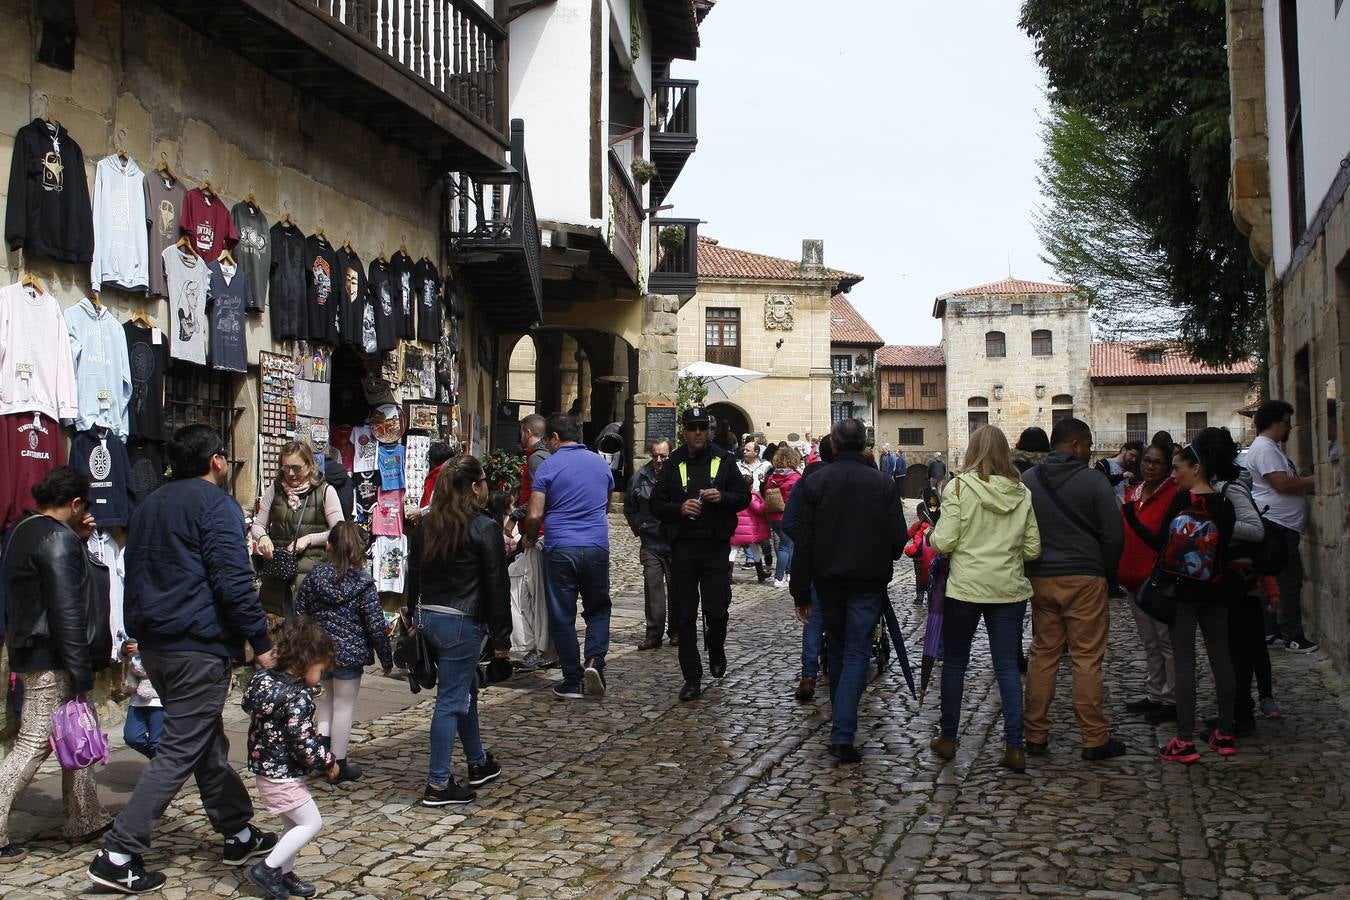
(795, 394)
(1166, 406)
(1027, 383)
(933, 423)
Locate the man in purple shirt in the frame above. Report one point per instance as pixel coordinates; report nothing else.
(570, 498)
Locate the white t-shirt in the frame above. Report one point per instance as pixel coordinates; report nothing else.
(1289, 510)
(186, 276)
(391, 558)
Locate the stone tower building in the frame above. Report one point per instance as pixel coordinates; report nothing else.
(1018, 354)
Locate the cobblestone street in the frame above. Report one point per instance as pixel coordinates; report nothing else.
(734, 796)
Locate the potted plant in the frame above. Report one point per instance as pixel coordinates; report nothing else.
(671, 237)
(642, 170)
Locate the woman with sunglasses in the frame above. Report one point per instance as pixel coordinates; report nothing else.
(1193, 544)
(1149, 500)
(295, 513)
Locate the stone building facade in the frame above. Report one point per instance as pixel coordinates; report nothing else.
(912, 400)
(1289, 65)
(853, 347)
(773, 316)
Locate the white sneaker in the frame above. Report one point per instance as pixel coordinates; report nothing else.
(780, 582)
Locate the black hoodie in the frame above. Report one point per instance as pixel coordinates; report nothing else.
(48, 212)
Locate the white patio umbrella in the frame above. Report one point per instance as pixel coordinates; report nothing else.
(721, 381)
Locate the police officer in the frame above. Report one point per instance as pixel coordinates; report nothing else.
(698, 495)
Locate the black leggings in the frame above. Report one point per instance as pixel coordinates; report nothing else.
(1247, 646)
(1212, 619)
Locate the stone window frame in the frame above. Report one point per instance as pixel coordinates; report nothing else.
(1042, 342)
(978, 402)
(995, 345)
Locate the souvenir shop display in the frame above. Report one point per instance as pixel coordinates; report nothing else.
(48, 211)
(186, 274)
(148, 358)
(269, 456)
(98, 350)
(206, 222)
(422, 417)
(365, 493)
(364, 442)
(387, 516)
(164, 204)
(254, 250)
(311, 399)
(104, 549)
(99, 455)
(390, 460)
(286, 288)
(121, 239)
(228, 296)
(387, 320)
(276, 387)
(416, 469)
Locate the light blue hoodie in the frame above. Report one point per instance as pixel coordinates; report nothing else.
(98, 347)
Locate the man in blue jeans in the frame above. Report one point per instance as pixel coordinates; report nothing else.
(850, 529)
(570, 498)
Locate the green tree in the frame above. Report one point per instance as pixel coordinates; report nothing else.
(1159, 71)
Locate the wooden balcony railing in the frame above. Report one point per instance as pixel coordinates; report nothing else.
(627, 217)
(674, 132)
(454, 45)
(674, 265)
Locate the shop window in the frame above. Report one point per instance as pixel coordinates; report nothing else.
(977, 420)
(722, 336)
(928, 389)
(1136, 427)
(995, 344)
(895, 389)
(1196, 422)
(912, 437)
(1042, 343)
(194, 395)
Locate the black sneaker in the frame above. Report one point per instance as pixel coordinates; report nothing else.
(486, 771)
(297, 887)
(129, 879)
(845, 754)
(271, 881)
(12, 853)
(1300, 644)
(567, 690)
(450, 795)
(1110, 750)
(594, 678)
(259, 843)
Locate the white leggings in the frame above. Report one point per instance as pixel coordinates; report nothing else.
(336, 709)
(302, 825)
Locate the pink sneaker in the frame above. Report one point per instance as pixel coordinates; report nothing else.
(1179, 751)
(1222, 744)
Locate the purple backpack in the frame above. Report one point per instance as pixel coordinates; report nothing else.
(76, 737)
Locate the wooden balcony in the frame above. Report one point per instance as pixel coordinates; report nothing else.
(626, 218)
(674, 132)
(431, 75)
(674, 265)
(494, 239)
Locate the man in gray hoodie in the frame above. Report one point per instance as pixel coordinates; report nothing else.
(1081, 541)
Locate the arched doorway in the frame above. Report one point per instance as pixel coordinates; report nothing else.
(726, 412)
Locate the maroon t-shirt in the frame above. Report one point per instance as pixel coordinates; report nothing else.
(31, 445)
(206, 221)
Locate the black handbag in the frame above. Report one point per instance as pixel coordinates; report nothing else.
(1158, 596)
(285, 564)
(413, 652)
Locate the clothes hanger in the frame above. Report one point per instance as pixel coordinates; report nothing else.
(251, 200)
(185, 242)
(347, 244)
(383, 258)
(226, 256)
(162, 167)
(403, 246)
(140, 318)
(32, 281)
(205, 185)
(93, 298)
(121, 145)
(322, 236)
(286, 213)
(46, 101)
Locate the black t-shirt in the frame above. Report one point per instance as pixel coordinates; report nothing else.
(147, 466)
(365, 494)
(401, 269)
(99, 455)
(352, 289)
(287, 291)
(427, 282)
(322, 298)
(147, 360)
(383, 300)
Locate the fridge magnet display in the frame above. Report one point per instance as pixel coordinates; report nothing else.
(422, 416)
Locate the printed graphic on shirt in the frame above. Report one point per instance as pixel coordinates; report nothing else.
(368, 340)
(251, 240)
(323, 280)
(428, 293)
(121, 210)
(386, 300)
(168, 219)
(53, 172)
(187, 313)
(142, 368)
(365, 445)
(405, 286)
(206, 236)
(100, 465)
(34, 433)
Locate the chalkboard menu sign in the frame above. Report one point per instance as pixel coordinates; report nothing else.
(661, 424)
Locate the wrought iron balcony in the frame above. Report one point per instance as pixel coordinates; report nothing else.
(494, 239)
(429, 74)
(674, 133)
(674, 257)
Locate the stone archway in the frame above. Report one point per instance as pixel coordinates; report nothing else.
(723, 411)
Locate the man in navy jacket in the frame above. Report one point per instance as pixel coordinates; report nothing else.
(190, 603)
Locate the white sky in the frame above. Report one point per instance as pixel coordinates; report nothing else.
(903, 133)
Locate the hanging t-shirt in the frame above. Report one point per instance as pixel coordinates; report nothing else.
(428, 283)
(163, 206)
(401, 269)
(228, 295)
(186, 274)
(37, 373)
(364, 442)
(149, 357)
(120, 255)
(365, 493)
(322, 297)
(352, 290)
(391, 464)
(31, 445)
(254, 251)
(382, 302)
(48, 212)
(98, 349)
(387, 518)
(147, 466)
(100, 456)
(391, 561)
(340, 441)
(286, 288)
(207, 224)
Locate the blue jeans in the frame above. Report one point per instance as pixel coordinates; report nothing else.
(811, 639)
(458, 643)
(1003, 623)
(569, 572)
(142, 729)
(849, 617)
(784, 563)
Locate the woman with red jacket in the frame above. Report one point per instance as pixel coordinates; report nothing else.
(783, 479)
(752, 529)
(1150, 499)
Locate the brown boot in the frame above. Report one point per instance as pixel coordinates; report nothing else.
(943, 747)
(649, 643)
(806, 690)
(1014, 758)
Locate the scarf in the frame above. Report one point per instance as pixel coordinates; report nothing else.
(296, 496)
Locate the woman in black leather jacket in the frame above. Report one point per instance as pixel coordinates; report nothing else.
(55, 645)
(459, 591)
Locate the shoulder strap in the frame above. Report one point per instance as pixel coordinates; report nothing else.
(1076, 520)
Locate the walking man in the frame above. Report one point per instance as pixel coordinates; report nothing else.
(655, 552)
(1081, 541)
(1281, 494)
(901, 469)
(529, 605)
(191, 604)
(850, 528)
(937, 472)
(569, 498)
(698, 496)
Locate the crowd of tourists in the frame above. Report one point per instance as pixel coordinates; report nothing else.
(1195, 542)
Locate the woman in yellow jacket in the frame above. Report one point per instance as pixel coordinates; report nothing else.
(987, 530)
